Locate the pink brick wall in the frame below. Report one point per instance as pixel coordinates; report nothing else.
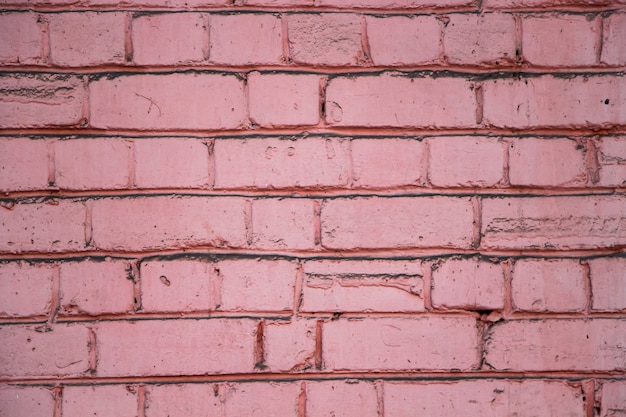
(312, 208)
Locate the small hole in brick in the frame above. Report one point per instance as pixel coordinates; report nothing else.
(606, 101)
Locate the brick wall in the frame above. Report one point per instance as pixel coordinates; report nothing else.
(312, 208)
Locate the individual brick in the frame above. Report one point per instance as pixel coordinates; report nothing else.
(614, 33)
(612, 160)
(100, 401)
(469, 284)
(612, 395)
(283, 223)
(284, 99)
(328, 398)
(392, 100)
(390, 4)
(274, 163)
(608, 279)
(87, 38)
(25, 289)
(21, 38)
(289, 346)
(23, 164)
(26, 401)
(556, 285)
(517, 4)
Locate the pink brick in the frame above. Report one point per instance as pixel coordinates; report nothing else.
(96, 287)
(182, 163)
(289, 346)
(486, 38)
(40, 100)
(52, 226)
(87, 164)
(547, 162)
(612, 396)
(27, 352)
(544, 38)
(276, 163)
(25, 289)
(283, 224)
(100, 401)
(296, 104)
(23, 164)
(246, 39)
(325, 39)
(87, 38)
(556, 285)
(466, 161)
(483, 398)
(167, 4)
(402, 222)
(401, 344)
(26, 401)
(613, 51)
(387, 162)
(175, 347)
(469, 284)
(513, 4)
(379, 285)
(397, 101)
(190, 400)
(608, 284)
(612, 159)
(553, 222)
(137, 223)
(21, 38)
(555, 102)
(390, 4)
(168, 101)
(170, 38)
(176, 285)
(330, 398)
(403, 40)
(557, 344)
(256, 285)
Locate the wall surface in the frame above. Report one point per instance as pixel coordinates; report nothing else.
(312, 208)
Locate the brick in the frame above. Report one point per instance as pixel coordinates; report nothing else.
(513, 4)
(485, 39)
(96, 287)
(87, 38)
(612, 395)
(87, 164)
(557, 344)
(23, 164)
(395, 101)
(41, 100)
(283, 224)
(153, 101)
(360, 286)
(182, 400)
(166, 4)
(388, 162)
(331, 39)
(469, 284)
(329, 398)
(284, 99)
(608, 279)
(274, 163)
(167, 222)
(289, 346)
(390, 4)
(21, 38)
(543, 38)
(553, 222)
(26, 401)
(52, 226)
(546, 162)
(175, 347)
(27, 351)
(100, 401)
(612, 160)
(246, 39)
(25, 289)
(400, 222)
(483, 397)
(401, 344)
(256, 285)
(403, 40)
(550, 101)
(176, 285)
(556, 285)
(465, 161)
(614, 33)
(180, 163)
(170, 38)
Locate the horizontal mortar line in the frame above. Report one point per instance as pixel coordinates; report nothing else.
(400, 376)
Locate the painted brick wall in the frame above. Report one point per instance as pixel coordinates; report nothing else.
(312, 208)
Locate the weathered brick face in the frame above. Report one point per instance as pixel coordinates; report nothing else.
(312, 208)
